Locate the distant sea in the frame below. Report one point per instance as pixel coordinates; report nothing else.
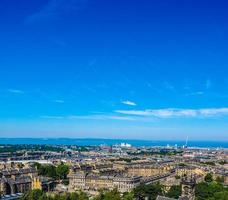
(91, 142)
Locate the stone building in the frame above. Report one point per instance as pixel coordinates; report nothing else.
(188, 190)
(187, 170)
(16, 180)
(125, 183)
(95, 182)
(148, 170)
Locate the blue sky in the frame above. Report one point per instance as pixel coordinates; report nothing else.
(114, 69)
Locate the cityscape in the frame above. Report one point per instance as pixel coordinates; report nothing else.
(113, 100)
(119, 171)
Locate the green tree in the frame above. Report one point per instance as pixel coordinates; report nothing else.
(174, 192)
(221, 195)
(108, 195)
(82, 196)
(153, 190)
(33, 195)
(62, 170)
(128, 196)
(140, 192)
(74, 196)
(220, 179)
(209, 191)
(202, 192)
(208, 178)
(46, 170)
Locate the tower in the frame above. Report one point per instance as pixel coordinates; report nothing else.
(188, 187)
(186, 143)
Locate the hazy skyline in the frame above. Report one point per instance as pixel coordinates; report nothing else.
(114, 69)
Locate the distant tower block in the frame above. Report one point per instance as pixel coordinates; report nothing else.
(188, 187)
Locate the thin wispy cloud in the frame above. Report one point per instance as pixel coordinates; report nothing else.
(58, 101)
(90, 117)
(129, 103)
(51, 117)
(103, 117)
(175, 112)
(15, 91)
(195, 93)
(55, 8)
(168, 86)
(146, 115)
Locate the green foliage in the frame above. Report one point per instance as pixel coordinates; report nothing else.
(46, 170)
(223, 162)
(28, 147)
(128, 196)
(162, 152)
(174, 192)
(220, 179)
(82, 149)
(52, 171)
(128, 160)
(82, 196)
(182, 165)
(109, 195)
(221, 195)
(140, 191)
(212, 191)
(33, 195)
(177, 177)
(39, 195)
(209, 163)
(208, 178)
(151, 191)
(62, 170)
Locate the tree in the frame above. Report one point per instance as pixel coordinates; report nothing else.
(202, 192)
(33, 195)
(221, 195)
(82, 196)
(74, 196)
(140, 192)
(128, 196)
(62, 170)
(220, 179)
(46, 170)
(208, 178)
(108, 195)
(153, 190)
(210, 191)
(174, 192)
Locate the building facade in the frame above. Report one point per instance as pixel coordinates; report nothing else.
(95, 182)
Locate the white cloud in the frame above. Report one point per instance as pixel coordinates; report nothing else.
(102, 117)
(91, 117)
(51, 117)
(129, 103)
(195, 93)
(146, 115)
(175, 112)
(58, 101)
(16, 91)
(214, 111)
(168, 86)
